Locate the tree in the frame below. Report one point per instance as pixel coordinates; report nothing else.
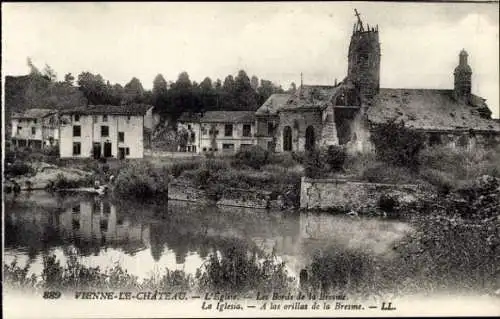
(92, 87)
(254, 82)
(244, 94)
(49, 73)
(159, 94)
(228, 85)
(69, 78)
(293, 88)
(206, 85)
(33, 69)
(134, 91)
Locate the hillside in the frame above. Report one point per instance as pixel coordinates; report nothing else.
(36, 91)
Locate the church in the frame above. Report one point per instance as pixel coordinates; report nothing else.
(317, 116)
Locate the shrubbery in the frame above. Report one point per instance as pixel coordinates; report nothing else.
(142, 181)
(398, 145)
(254, 156)
(18, 168)
(319, 163)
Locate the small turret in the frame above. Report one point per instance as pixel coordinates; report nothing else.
(463, 76)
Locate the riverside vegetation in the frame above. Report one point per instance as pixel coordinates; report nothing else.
(454, 245)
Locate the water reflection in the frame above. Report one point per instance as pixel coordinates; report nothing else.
(143, 236)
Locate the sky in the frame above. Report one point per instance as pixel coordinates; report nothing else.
(420, 42)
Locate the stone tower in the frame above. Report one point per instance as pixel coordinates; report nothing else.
(363, 70)
(463, 75)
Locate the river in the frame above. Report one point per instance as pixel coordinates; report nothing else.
(145, 238)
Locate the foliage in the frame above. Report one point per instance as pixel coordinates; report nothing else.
(18, 168)
(336, 157)
(142, 180)
(396, 144)
(314, 164)
(254, 156)
(341, 270)
(237, 270)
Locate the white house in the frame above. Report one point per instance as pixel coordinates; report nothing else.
(218, 131)
(35, 128)
(110, 131)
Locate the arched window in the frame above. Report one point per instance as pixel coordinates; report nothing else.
(287, 139)
(310, 139)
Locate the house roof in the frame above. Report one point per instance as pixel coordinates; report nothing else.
(274, 103)
(34, 113)
(311, 96)
(219, 117)
(429, 109)
(129, 109)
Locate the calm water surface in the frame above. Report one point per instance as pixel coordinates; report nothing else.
(145, 238)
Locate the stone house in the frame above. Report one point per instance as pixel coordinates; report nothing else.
(217, 131)
(344, 113)
(35, 128)
(109, 131)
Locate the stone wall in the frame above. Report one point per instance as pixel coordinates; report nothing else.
(298, 122)
(230, 197)
(337, 193)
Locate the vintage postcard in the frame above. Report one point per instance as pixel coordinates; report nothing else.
(254, 159)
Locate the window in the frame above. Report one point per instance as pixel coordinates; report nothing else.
(194, 148)
(227, 147)
(104, 131)
(95, 118)
(270, 128)
(77, 117)
(228, 130)
(204, 149)
(35, 121)
(127, 151)
(247, 130)
(77, 130)
(33, 130)
(128, 119)
(245, 146)
(189, 126)
(204, 130)
(76, 209)
(77, 148)
(104, 118)
(19, 129)
(121, 137)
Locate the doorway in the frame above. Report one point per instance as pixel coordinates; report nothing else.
(96, 150)
(121, 153)
(287, 139)
(107, 149)
(310, 138)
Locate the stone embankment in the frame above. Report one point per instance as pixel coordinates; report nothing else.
(45, 173)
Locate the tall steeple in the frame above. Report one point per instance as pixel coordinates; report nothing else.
(463, 77)
(363, 70)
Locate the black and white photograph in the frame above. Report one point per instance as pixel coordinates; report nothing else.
(250, 159)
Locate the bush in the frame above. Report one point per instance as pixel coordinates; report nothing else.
(398, 145)
(18, 168)
(142, 181)
(313, 165)
(335, 157)
(254, 156)
(284, 160)
(177, 168)
(378, 172)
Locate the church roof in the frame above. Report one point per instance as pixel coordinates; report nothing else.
(274, 103)
(429, 109)
(311, 96)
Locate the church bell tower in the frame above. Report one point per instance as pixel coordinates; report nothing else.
(364, 60)
(463, 76)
